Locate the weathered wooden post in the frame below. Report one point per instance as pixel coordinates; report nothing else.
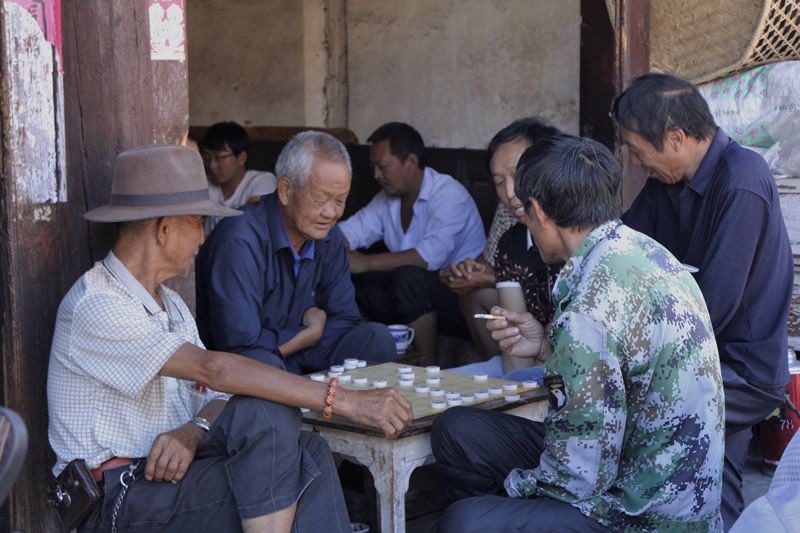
(121, 81)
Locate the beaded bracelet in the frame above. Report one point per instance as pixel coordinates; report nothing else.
(328, 412)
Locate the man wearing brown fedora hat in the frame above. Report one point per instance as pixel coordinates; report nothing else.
(132, 391)
(274, 284)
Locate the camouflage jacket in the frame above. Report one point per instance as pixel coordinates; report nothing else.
(634, 436)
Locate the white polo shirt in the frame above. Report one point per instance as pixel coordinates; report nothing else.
(105, 397)
(255, 183)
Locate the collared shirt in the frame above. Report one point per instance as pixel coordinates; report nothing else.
(446, 227)
(503, 221)
(250, 297)
(306, 254)
(727, 222)
(634, 436)
(518, 260)
(255, 183)
(105, 397)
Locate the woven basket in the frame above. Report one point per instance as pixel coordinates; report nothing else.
(702, 40)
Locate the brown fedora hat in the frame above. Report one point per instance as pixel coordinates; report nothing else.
(158, 181)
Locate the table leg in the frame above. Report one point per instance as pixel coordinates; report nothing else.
(391, 474)
(391, 462)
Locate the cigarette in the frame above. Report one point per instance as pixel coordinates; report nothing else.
(489, 317)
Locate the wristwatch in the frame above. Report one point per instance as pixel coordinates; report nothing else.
(202, 423)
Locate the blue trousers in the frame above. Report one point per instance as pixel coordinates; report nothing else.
(253, 461)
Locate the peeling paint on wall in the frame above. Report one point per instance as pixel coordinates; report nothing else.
(34, 116)
(43, 213)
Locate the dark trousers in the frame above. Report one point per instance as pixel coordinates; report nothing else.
(254, 461)
(368, 340)
(405, 294)
(745, 406)
(475, 450)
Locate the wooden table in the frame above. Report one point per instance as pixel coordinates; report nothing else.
(391, 462)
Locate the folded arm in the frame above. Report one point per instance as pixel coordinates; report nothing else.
(235, 274)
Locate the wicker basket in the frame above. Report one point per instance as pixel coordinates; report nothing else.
(702, 40)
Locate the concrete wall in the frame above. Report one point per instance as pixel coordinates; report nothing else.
(246, 61)
(458, 70)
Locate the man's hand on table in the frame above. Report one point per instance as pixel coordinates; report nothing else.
(172, 453)
(466, 276)
(518, 335)
(385, 409)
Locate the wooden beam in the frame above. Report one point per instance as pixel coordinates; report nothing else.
(632, 30)
(598, 84)
(33, 195)
(614, 50)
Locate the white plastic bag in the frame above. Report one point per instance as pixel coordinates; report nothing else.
(760, 108)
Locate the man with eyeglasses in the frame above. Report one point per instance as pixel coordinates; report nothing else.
(225, 150)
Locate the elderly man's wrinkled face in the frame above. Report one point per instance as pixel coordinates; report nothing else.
(503, 167)
(312, 209)
(183, 238)
(395, 177)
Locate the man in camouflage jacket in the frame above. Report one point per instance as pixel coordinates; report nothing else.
(634, 437)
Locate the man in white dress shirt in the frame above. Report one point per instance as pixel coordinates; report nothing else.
(427, 221)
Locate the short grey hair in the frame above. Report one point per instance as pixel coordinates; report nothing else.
(297, 157)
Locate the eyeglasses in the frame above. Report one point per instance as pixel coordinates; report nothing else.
(216, 158)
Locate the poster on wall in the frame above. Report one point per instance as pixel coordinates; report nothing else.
(167, 30)
(32, 62)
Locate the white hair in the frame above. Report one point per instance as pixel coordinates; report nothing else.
(297, 157)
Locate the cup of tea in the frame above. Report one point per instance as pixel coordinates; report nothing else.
(402, 335)
(510, 296)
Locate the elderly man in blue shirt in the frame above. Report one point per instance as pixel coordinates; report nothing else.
(274, 284)
(715, 206)
(428, 221)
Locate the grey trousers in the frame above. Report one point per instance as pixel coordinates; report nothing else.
(254, 461)
(475, 450)
(745, 406)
